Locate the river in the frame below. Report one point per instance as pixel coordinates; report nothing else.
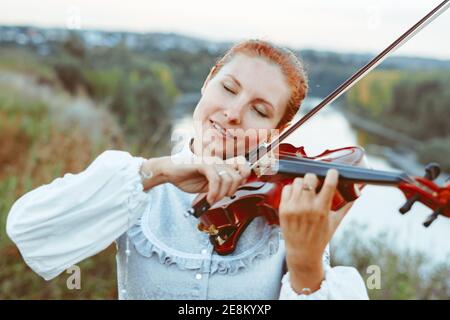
(377, 208)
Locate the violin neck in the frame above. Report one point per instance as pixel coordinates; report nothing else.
(347, 173)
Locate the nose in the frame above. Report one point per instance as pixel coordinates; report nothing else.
(233, 114)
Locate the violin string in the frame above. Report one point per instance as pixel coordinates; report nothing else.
(398, 176)
(343, 167)
(395, 177)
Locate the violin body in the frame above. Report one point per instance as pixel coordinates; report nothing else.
(260, 196)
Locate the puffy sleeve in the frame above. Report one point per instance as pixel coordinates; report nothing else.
(76, 216)
(340, 283)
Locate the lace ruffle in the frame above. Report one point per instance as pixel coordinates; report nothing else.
(147, 244)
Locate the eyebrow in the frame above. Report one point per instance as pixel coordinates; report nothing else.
(240, 85)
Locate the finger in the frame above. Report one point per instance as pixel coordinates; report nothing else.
(235, 161)
(264, 164)
(297, 188)
(211, 161)
(226, 182)
(240, 164)
(329, 186)
(237, 180)
(308, 192)
(214, 183)
(286, 193)
(243, 168)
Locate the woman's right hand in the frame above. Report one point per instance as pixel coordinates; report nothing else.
(217, 178)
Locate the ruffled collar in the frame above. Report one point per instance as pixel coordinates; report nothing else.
(146, 244)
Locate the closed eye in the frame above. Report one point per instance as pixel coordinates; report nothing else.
(228, 89)
(260, 113)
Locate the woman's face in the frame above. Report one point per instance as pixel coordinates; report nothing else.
(239, 107)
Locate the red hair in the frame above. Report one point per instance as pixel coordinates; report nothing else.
(290, 65)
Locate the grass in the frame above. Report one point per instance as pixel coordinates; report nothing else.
(35, 150)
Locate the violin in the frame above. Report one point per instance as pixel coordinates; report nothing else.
(227, 219)
(260, 196)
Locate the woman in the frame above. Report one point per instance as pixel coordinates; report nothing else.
(140, 203)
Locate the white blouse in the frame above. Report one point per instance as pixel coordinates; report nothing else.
(161, 254)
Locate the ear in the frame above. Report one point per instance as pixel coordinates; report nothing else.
(208, 78)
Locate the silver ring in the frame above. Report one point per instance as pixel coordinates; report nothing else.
(221, 173)
(307, 187)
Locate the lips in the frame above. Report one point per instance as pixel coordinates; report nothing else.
(221, 130)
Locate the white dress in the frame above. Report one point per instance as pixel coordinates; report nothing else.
(161, 254)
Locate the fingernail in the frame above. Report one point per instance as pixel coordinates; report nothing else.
(333, 171)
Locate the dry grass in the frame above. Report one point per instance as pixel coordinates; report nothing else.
(35, 149)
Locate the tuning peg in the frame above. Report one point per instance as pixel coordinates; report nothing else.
(432, 171)
(408, 204)
(432, 217)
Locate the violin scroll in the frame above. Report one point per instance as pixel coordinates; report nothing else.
(424, 190)
(432, 171)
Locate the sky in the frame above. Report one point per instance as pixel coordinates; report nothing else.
(359, 26)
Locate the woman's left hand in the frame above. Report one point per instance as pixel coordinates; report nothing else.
(308, 224)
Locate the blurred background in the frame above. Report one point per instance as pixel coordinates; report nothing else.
(80, 77)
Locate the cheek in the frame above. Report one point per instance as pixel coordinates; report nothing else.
(205, 108)
(199, 112)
